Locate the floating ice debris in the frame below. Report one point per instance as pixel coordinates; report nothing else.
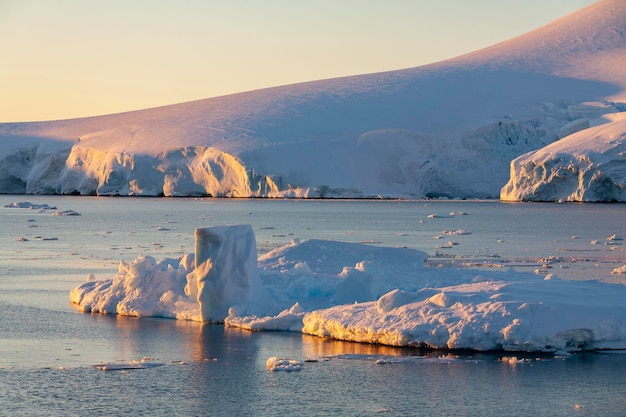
(390, 359)
(619, 270)
(456, 232)
(439, 216)
(121, 366)
(66, 213)
(513, 360)
(38, 237)
(410, 360)
(280, 364)
(29, 205)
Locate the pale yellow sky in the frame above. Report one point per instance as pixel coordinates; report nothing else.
(74, 58)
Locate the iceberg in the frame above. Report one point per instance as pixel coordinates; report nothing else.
(361, 293)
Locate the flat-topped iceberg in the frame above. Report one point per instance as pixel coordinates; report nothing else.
(362, 293)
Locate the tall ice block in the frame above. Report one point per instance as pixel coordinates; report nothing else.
(226, 269)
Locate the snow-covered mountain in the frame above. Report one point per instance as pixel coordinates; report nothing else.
(448, 129)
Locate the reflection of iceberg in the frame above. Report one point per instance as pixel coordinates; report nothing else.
(362, 293)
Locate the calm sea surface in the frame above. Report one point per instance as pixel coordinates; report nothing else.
(48, 349)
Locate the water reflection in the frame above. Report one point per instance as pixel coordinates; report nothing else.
(162, 339)
(215, 341)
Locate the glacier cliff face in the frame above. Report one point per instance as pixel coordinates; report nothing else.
(386, 162)
(188, 171)
(587, 166)
(467, 163)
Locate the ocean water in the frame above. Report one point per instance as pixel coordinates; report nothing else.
(48, 350)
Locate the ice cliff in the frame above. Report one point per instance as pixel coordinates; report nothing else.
(448, 129)
(586, 166)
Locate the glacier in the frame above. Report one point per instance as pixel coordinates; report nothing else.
(444, 130)
(587, 166)
(361, 293)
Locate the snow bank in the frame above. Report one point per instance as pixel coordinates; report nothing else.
(589, 165)
(363, 293)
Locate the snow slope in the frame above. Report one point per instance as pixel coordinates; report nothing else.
(443, 130)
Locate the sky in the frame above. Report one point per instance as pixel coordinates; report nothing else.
(62, 59)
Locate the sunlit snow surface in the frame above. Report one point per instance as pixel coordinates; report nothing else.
(362, 293)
